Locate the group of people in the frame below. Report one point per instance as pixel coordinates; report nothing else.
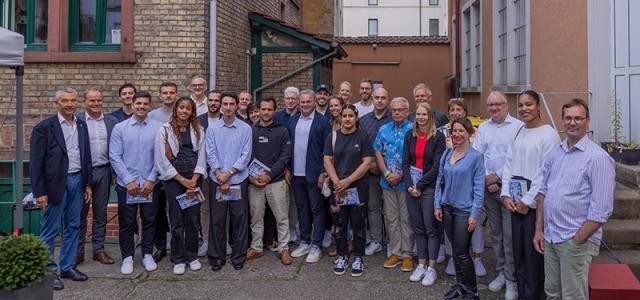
(225, 180)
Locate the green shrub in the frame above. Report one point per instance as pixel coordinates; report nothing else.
(23, 261)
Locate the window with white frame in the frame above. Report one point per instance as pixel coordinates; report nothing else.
(373, 27)
(471, 46)
(434, 27)
(511, 52)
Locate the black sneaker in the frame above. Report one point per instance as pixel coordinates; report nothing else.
(357, 267)
(455, 292)
(341, 265)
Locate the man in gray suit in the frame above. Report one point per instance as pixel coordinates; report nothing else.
(99, 126)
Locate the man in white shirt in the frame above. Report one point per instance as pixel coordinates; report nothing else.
(198, 88)
(493, 140)
(365, 105)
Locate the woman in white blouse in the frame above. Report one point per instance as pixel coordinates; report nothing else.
(521, 180)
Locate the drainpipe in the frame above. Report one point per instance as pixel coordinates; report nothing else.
(458, 59)
(420, 17)
(213, 18)
(296, 71)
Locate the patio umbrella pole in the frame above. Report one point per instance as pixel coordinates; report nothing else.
(17, 217)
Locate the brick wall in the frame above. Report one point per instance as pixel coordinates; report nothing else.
(277, 64)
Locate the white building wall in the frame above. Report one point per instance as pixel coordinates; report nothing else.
(395, 17)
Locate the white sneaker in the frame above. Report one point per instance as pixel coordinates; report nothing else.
(498, 283)
(451, 268)
(326, 241)
(229, 249)
(417, 274)
(195, 265)
(127, 266)
(314, 255)
(148, 263)
(372, 248)
(202, 251)
(480, 270)
(512, 291)
(302, 250)
(441, 256)
(178, 269)
(430, 277)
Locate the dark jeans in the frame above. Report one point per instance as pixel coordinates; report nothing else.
(101, 188)
(425, 225)
(127, 218)
(184, 225)
(162, 223)
(356, 215)
(529, 264)
(238, 220)
(456, 224)
(311, 213)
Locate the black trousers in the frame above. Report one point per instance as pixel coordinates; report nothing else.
(356, 215)
(184, 225)
(162, 223)
(100, 187)
(238, 220)
(456, 224)
(127, 218)
(529, 264)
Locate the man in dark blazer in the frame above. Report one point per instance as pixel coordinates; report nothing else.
(308, 131)
(60, 176)
(99, 126)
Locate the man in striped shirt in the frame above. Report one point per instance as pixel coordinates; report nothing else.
(575, 199)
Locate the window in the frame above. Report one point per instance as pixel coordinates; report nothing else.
(433, 2)
(95, 25)
(434, 27)
(471, 28)
(373, 2)
(510, 53)
(373, 27)
(29, 18)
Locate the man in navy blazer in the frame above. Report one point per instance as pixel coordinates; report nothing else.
(308, 131)
(99, 126)
(60, 176)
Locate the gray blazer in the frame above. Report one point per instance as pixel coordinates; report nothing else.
(110, 121)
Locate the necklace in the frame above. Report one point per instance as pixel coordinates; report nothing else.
(183, 128)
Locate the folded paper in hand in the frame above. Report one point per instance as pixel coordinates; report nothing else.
(234, 194)
(257, 168)
(185, 201)
(350, 197)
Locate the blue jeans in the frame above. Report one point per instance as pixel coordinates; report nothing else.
(67, 212)
(310, 211)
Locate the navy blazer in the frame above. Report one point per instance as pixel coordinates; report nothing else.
(320, 129)
(433, 151)
(49, 161)
(204, 121)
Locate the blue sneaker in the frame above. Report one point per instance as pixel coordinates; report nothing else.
(357, 267)
(341, 265)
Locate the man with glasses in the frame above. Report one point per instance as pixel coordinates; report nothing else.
(493, 140)
(389, 144)
(365, 105)
(198, 89)
(574, 201)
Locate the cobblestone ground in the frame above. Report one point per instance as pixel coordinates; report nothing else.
(264, 278)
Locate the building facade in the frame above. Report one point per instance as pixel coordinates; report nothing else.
(391, 18)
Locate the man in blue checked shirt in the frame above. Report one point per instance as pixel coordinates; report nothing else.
(131, 156)
(575, 199)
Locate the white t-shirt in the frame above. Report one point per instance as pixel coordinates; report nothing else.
(363, 110)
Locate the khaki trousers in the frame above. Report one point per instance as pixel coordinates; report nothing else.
(398, 224)
(277, 195)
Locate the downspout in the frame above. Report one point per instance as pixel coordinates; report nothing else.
(458, 59)
(296, 71)
(420, 17)
(213, 18)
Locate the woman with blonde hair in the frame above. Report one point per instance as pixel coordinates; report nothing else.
(423, 148)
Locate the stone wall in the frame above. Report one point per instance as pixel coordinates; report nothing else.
(278, 64)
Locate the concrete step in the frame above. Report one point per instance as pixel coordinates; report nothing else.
(628, 175)
(626, 203)
(628, 257)
(622, 234)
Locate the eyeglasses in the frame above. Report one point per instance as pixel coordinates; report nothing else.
(578, 120)
(399, 110)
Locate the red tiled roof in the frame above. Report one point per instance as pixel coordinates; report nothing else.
(392, 39)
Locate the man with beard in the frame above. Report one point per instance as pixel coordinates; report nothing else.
(198, 87)
(322, 100)
(365, 105)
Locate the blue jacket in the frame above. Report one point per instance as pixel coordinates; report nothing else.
(49, 161)
(320, 129)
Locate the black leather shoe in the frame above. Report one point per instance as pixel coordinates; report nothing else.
(238, 266)
(454, 293)
(57, 283)
(74, 275)
(159, 255)
(216, 264)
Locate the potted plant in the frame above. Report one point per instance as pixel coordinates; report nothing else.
(630, 153)
(614, 148)
(23, 268)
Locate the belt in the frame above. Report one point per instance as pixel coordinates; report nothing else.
(74, 173)
(100, 166)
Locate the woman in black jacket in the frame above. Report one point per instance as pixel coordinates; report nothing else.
(423, 148)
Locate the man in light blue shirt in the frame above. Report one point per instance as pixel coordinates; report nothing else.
(228, 155)
(493, 140)
(131, 155)
(574, 200)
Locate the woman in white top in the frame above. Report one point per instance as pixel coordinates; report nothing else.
(179, 156)
(521, 178)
